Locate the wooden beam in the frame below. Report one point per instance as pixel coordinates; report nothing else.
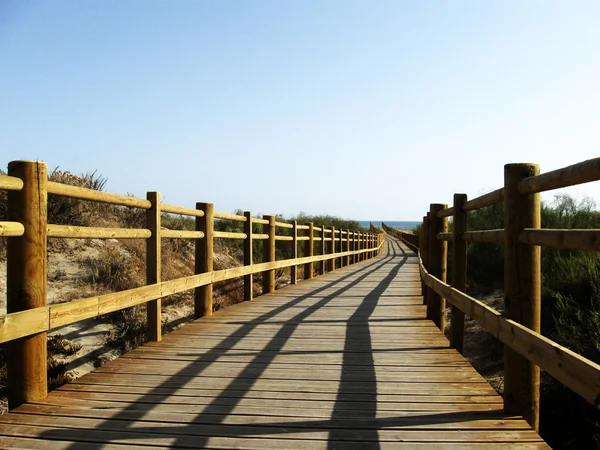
(269, 254)
(583, 172)
(309, 252)
(438, 250)
(332, 250)
(153, 266)
(248, 279)
(522, 290)
(11, 229)
(425, 252)
(294, 255)
(26, 280)
(459, 271)
(203, 295)
(65, 190)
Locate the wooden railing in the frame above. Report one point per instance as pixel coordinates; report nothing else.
(24, 327)
(526, 350)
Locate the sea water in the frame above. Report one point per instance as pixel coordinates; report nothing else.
(398, 224)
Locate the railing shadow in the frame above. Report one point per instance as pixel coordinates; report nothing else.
(359, 352)
(245, 380)
(361, 426)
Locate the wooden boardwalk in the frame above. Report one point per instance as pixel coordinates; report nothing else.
(346, 360)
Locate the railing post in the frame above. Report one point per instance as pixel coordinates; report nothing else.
(359, 245)
(269, 254)
(425, 254)
(363, 245)
(310, 251)
(153, 266)
(26, 281)
(248, 279)
(459, 271)
(343, 244)
(436, 305)
(372, 242)
(294, 269)
(347, 247)
(323, 249)
(332, 262)
(340, 249)
(203, 295)
(354, 247)
(522, 285)
(421, 247)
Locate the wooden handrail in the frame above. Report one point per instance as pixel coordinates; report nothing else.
(526, 350)
(68, 231)
(180, 210)
(65, 190)
(483, 236)
(25, 323)
(583, 172)
(575, 371)
(489, 199)
(8, 183)
(226, 216)
(25, 326)
(11, 229)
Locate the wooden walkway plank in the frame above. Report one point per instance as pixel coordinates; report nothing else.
(346, 361)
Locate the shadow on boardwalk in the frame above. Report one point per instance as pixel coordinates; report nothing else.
(358, 381)
(222, 405)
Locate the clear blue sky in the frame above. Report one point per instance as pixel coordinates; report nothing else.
(366, 110)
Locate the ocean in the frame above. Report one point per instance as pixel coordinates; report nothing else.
(398, 224)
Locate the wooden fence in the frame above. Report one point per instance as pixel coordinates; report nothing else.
(24, 328)
(526, 351)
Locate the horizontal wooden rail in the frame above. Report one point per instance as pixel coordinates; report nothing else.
(284, 225)
(496, 236)
(226, 216)
(80, 193)
(489, 199)
(68, 231)
(284, 238)
(230, 235)
(25, 323)
(445, 236)
(260, 221)
(573, 370)
(180, 210)
(562, 239)
(181, 234)
(303, 238)
(303, 227)
(11, 229)
(583, 172)
(448, 212)
(10, 183)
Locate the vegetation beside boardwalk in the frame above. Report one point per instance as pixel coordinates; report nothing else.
(570, 308)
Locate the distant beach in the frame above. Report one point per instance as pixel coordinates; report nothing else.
(398, 224)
